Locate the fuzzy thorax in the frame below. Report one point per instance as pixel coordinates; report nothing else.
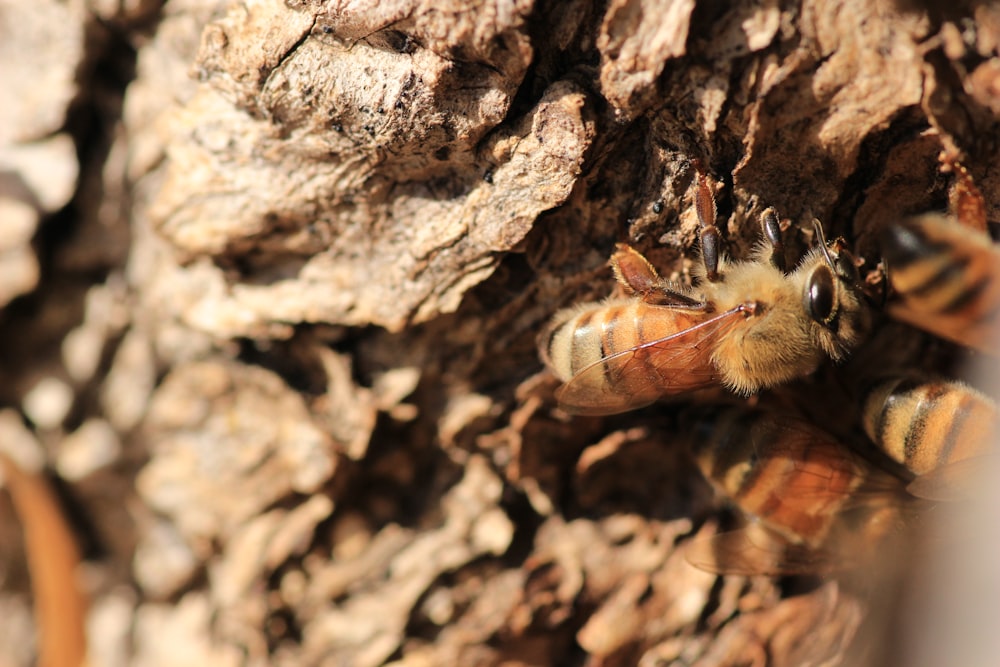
(775, 343)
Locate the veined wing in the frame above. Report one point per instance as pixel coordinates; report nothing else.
(958, 480)
(632, 378)
(755, 550)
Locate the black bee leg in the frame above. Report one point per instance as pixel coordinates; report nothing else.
(710, 252)
(772, 232)
(704, 206)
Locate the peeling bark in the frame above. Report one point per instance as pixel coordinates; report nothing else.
(280, 349)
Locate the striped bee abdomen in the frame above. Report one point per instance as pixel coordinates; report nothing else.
(948, 277)
(926, 424)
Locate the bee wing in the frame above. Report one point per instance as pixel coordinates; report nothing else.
(980, 334)
(817, 472)
(755, 550)
(638, 376)
(816, 501)
(955, 481)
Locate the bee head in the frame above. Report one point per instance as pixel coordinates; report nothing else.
(833, 299)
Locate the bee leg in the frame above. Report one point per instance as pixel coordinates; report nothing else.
(704, 206)
(965, 199)
(633, 271)
(637, 276)
(772, 232)
(710, 252)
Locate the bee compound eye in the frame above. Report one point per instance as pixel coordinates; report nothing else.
(819, 295)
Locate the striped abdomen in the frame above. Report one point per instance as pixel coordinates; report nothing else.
(585, 335)
(949, 279)
(926, 424)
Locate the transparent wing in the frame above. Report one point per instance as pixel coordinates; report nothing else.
(755, 550)
(638, 376)
(956, 481)
(818, 474)
(818, 504)
(980, 334)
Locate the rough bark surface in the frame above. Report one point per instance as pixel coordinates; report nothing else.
(272, 274)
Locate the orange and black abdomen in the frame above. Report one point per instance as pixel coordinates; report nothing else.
(627, 354)
(948, 277)
(583, 336)
(793, 477)
(927, 424)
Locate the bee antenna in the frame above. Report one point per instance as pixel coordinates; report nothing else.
(818, 228)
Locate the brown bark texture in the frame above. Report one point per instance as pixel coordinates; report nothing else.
(272, 273)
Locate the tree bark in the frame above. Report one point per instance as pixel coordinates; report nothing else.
(312, 250)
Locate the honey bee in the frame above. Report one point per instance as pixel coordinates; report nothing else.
(819, 505)
(746, 325)
(817, 499)
(948, 277)
(935, 428)
(823, 505)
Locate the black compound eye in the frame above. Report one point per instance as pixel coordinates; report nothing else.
(819, 295)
